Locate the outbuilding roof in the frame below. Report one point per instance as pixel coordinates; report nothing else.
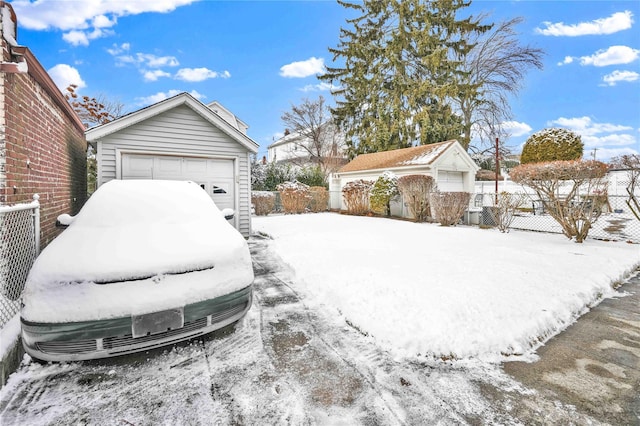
(98, 132)
(419, 155)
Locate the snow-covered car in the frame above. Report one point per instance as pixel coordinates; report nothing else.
(145, 263)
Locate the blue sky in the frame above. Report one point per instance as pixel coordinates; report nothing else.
(259, 57)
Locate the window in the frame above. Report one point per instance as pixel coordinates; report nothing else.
(218, 190)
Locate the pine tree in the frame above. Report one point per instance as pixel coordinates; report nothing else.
(401, 59)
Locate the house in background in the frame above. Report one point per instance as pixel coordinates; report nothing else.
(298, 149)
(446, 162)
(42, 144)
(180, 138)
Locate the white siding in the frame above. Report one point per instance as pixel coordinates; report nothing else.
(179, 132)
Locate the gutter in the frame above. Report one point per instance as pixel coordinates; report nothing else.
(19, 67)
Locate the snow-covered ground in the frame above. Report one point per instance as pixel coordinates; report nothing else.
(286, 363)
(422, 290)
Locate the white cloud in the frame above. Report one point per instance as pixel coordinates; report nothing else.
(76, 38)
(614, 55)
(160, 96)
(102, 21)
(64, 75)
(320, 87)
(86, 17)
(617, 76)
(117, 50)
(617, 22)
(143, 61)
(301, 69)
(608, 139)
(567, 60)
(586, 127)
(154, 75)
(515, 128)
(199, 74)
(153, 61)
(604, 154)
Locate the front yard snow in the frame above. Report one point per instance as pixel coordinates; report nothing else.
(461, 292)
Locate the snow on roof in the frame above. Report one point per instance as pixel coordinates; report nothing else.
(419, 155)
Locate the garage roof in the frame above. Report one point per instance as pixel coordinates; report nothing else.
(98, 132)
(419, 155)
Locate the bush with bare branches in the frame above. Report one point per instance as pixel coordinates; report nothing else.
(415, 190)
(356, 196)
(631, 164)
(572, 192)
(263, 202)
(295, 196)
(319, 199)
(506, 205)
(449, 207)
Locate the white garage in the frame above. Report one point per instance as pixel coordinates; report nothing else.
(447, 162)
(181, 139)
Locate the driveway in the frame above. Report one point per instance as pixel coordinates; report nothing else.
(594, 364)
(285, 363)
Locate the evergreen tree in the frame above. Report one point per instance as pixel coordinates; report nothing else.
(401, 60)
(553, 144)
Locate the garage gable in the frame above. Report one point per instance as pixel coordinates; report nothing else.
(231, 127)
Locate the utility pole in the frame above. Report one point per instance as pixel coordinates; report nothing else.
(593, 154)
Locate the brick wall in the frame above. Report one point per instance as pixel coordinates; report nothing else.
(44, 148)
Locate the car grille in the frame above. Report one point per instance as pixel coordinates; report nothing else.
(118, 342)
(127, 339)
(67, 347)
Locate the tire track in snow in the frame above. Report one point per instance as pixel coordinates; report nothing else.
(376, 403)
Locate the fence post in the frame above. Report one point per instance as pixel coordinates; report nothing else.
(36, 222)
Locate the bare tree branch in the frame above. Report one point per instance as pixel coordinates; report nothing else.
(313, 132)
(496, 68)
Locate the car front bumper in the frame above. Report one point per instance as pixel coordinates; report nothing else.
(77, 341)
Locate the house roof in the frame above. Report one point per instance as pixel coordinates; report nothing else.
(419, 155)
(98, 132)
(230, 117)
(285, 139)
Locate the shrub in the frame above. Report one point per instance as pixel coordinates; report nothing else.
(383, 191)
(570, 191)
(552, 145)
(312, 176)
(631, 164)
(356, 196)
(415, 190)
(449, 206)
(487, 175)
(263, 202)
(505, 208)
(319, 199)
(294, 196)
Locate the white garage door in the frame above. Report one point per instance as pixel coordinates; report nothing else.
(215, 176)
(450, 181)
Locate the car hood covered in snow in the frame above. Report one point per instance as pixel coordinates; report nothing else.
(137, 246)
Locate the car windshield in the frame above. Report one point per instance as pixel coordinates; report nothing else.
(135, 202)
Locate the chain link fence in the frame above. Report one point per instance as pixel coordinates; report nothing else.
(19, 247)
(613, 224)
